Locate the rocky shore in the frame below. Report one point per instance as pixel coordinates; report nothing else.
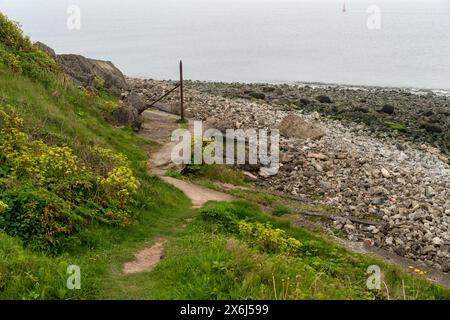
(376, 154)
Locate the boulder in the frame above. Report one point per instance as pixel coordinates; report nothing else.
(446, 267)
(294, 126)
(388, 109)
(304, 101)
(362, 109)
(324, 99)
(83, 72)
(135, 100)
(128, 116)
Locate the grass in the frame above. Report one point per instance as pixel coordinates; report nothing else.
(215, 172)
(65, 115)
(280, 210)
(395, 126)
(205, 262)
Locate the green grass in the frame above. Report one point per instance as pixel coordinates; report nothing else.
(69, 116)
(174, 173)
(395, 125)
(280, 210)
(215, 172)
(205, 262)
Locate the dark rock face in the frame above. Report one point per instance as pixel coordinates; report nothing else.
(387, 108)
(83, 72)
(324, 99)
(136, 101)
(129, 114)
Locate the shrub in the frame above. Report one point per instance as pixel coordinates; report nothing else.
(37, 216)
(280, 210)
(268, 239)
(120, 185)
(3, 206)
(257, 95)
(102, 160)
(12, 61)
(52, 191)
(99, 83)
(12, 36)
(21, 56)
(395, 125)
(220, 215)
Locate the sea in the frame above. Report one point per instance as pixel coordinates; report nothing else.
(387, 43)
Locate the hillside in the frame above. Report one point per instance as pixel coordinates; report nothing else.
(75, 189)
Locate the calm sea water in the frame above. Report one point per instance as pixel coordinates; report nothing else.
(254, 40)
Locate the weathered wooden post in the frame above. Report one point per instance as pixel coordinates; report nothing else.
(181, 91)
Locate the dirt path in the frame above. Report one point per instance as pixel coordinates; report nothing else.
(158, 126)
(146, 259)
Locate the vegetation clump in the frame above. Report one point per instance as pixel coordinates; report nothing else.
(395, 125)
(47, 192)
(280, 210)
(22, 57)
(268, 239)
(257, 95)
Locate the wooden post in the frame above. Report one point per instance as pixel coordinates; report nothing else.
(181, 91)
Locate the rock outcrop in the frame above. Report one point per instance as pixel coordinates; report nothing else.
(90, 73)
(129, 113)
(83, 71)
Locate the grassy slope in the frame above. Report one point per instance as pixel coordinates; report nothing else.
(207, 263)
(68, 116)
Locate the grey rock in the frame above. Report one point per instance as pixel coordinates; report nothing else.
(83, 72)
(126, 115)
(446, 267)
(293, 126)
(135, 100)
(429, 192)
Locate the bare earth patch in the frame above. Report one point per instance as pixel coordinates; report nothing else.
(146, 259)
(158, 126)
